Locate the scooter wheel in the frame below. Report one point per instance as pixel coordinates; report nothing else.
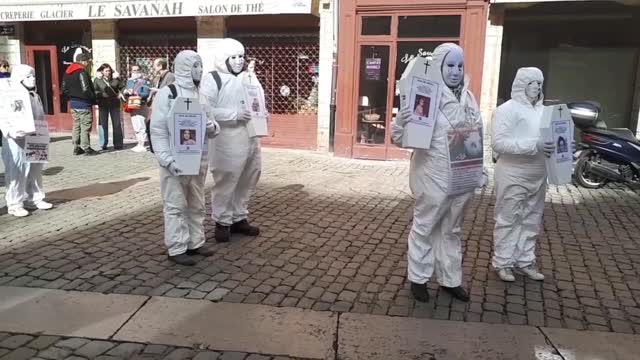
(584, 178)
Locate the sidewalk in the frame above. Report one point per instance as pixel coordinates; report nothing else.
(125, 327)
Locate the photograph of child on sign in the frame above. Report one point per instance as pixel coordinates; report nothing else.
(465, 144)
(421, 105)
(562, 145)
(17, 106)
(187, 137)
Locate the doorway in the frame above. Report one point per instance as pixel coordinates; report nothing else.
(44, 60)
(385, 45)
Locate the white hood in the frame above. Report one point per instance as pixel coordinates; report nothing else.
(183, 67)
(524, 77)
(228, 47)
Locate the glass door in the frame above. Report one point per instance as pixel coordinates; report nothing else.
(372, 101)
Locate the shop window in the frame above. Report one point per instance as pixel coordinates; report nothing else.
(376, 25)
(429, 26)
(287, 67)
(407, 51)
(372, 99)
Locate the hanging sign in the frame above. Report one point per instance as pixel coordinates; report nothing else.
(373, 68)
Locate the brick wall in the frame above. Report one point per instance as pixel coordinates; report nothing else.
(292, 132)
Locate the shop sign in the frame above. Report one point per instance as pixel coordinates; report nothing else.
(81, 10)
(7, 30)
(69, 52)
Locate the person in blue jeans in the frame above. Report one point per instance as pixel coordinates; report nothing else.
(108, 86)
(138, 86)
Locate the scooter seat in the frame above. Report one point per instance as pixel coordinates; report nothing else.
(621, 133)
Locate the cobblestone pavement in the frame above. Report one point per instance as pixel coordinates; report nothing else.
(334, 238)
(24, 347)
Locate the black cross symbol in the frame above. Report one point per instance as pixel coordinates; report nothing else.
(560, 111)
(426, 63)
(188, 102)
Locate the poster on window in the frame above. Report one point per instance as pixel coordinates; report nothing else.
(188, 123)
(373, 69)
(36, 146)
(466, 160)
(15, 107)
(557, 127)
(255, 103)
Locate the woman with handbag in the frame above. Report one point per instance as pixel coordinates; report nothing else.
(136, 94)
(108, 86)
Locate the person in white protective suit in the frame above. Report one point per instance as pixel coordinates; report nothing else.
(236, 160)
(23, 179)
(434, 240)
(183, 195)
(520, 175)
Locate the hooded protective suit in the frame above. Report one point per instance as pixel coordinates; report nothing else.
(183, 196)
(520, 174)
(236, 160)
(434, 240)
(23, 179)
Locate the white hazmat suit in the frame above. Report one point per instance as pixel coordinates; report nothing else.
(23, 179)
(520, 175)
(434, 240)
(183, 195)
(236, 160)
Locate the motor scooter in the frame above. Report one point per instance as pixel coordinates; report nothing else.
(603, 154)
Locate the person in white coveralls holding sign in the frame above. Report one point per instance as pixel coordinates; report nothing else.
(236, 162)
(440, 198)
(182, 193)
(521, 177)
(23, 177)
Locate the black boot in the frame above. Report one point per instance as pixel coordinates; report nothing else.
(90, 152)
(202, 251)
(223, 233)
(78, 151)
(243, 227)
(183, 259)
(457, 292)
(420, 292)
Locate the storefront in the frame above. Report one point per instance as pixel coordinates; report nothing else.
(587, 50)
(281, 36)
(376, 42)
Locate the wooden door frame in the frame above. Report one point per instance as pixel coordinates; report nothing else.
(55, 77)
(388, 151)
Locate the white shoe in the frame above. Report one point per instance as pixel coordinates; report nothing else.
(139, 149)
(19, 212)
(506, 274)
(531, 272)
(43, 205)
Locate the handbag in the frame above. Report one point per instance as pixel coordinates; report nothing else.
(134, 102)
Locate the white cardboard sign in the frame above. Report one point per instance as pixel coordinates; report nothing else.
(188, 124)
(557, 127)
(422, 97)
(15, 107)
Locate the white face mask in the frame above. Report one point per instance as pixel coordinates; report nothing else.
(196, 72)
(29, 82)
(136, 76)
(236, 63)
(532, 91)
(453, 68)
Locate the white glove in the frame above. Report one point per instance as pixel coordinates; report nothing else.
(99, 74)
(548, 147)
(213, 129)
(173, 169)
(244, 116)
(115, 75)
(403, 117)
